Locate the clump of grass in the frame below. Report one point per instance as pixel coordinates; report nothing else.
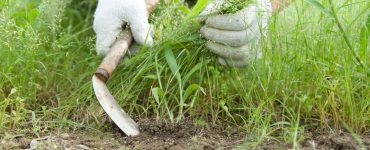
(232, 6)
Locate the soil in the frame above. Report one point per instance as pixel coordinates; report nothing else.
(164, 135)
(156, 134)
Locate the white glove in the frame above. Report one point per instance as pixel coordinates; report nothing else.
(110, 15)
(235, 38)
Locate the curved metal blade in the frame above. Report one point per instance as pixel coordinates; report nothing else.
(115, 112)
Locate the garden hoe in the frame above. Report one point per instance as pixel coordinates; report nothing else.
(105, 70)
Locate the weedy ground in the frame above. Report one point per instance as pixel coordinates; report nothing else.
(313, 76)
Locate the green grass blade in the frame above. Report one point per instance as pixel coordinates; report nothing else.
(191, 89)
(157, 94)
(320, 7)
(192, 71)
(364, 39)
(201, 4)
(344, 33)
(171, 61)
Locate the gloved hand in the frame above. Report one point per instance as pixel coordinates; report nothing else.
(235, 38)
(111, 15)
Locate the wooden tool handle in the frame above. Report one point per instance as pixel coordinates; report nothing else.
(119, 49)
(112, 59)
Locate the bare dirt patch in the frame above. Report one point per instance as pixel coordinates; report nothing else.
(164, 135)
(159, 134)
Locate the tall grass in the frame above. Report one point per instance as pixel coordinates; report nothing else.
(308, 79)
(44, 58)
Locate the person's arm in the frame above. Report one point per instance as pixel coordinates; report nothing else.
(278, 5)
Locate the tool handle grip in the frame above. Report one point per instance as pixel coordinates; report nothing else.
(113, 58)
(119, 49)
